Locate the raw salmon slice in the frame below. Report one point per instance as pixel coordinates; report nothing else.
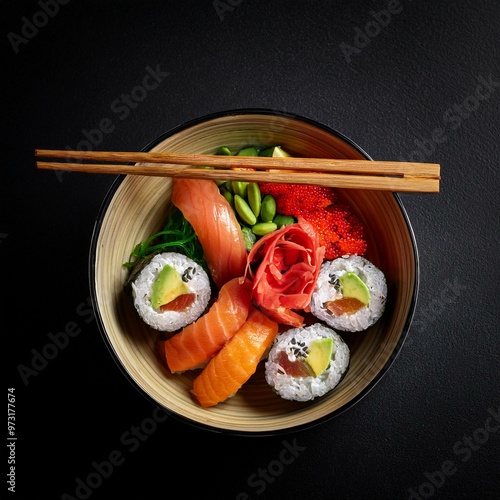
(180, 303)
(347, 305)
(198, 342)
(216, 226)
(297, 368)
(236, 362)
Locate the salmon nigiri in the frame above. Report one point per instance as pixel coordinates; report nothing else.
(237, 361)
(215, 224)
(197, 342)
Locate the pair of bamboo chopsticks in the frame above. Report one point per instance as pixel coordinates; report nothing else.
(340, 173)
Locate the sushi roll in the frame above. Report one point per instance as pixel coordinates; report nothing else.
(171, 291)
(306, 362)
(350, 294)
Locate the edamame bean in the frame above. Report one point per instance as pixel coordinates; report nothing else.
(240, 188)
(254, 197)
(262, 228)
(224, 150)
(250, 151)
(228, 195)
(268, 208)
(226, 185)
(283, 220)
(244, 211)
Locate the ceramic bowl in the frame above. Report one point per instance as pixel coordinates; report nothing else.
(135, 208)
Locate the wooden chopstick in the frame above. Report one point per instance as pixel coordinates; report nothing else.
(341, 173)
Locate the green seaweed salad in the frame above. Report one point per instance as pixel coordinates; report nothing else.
(176, 236)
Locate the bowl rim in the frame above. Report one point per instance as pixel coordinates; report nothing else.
(100, 323)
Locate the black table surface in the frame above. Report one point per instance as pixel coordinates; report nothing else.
(405, 80)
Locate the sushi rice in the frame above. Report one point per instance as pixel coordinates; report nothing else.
(192, 274)
(295, 343)
(327, 289)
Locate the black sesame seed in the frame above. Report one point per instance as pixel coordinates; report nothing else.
(188, 274)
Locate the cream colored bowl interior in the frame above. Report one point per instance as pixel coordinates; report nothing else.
(137, 208)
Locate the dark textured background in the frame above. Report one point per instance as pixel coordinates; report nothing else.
(406, 92)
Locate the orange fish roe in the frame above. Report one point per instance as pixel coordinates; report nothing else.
(339, 230)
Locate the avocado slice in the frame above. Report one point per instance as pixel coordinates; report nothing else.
(275, 151)
(167, 287)
(319, 355)
(354, 287)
